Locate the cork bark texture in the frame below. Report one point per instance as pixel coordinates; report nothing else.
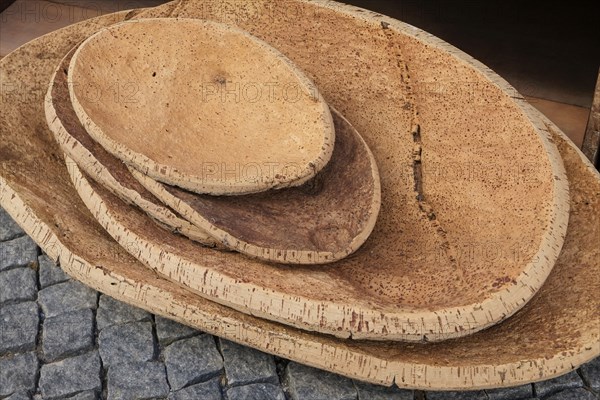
(544, 339)
(100, 164)
(179, 117)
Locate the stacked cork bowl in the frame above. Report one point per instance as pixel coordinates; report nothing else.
(312, 180)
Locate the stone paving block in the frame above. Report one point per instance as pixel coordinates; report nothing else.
(71, 376)
(513, 393)
(256, 391)
(210, 390)
(138, 380)
(571, 380)
(64, 297)
(192, 361)
(474, 395)
(572, 394)
(169, 331)
(18, 373)
(244, 365)
(18, 284)
(9, 229)
(20, 396)
(18, 327)
(113, 312)
(591, 374)
(50, 273)
(367, 391)
(126, 343)
(309, 383)
(67, 334)
(89, 395)
(19, 252)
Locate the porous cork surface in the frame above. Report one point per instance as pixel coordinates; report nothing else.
(54, 345)
(98, 163)
(486, 281)
(547, 337)
(322, 221)
(445, 247)
(180, 125)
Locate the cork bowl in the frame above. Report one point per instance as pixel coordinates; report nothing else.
(177, 103)
(544, 339)
(103, 166)
(322, 221)
(474, 193)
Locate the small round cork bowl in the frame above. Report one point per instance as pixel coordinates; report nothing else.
(102, 166)
(200, 105)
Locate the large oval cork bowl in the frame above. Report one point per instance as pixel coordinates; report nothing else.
(322, 221)
(551, 335)
(474, 194)
(103, 166)
(200, 105)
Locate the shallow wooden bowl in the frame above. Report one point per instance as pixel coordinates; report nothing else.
(103, 166)
(551, 335)
(200, 105)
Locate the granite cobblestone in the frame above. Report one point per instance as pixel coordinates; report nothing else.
(18, 327)
(49, 272)
(126, 343)
(8, 227)
(192, 360)
(66, 296)
(19, 252)
(18, 284)
(244, 365)
(114, 312)
(169, 331)
(67, 334)
(71, 376)
(572, 380)
(18, 373)
(137, 380)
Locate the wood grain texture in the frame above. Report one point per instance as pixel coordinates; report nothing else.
(194, 114)
(101, 165)
(551, 335)
(323, 221)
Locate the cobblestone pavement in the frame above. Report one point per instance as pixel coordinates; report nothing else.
(62, 340)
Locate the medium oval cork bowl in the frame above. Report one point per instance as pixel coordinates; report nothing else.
(322, 221)
(545, 339)
(200, 105)
(101, 165)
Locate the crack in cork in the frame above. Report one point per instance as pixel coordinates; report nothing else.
(426, 209)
